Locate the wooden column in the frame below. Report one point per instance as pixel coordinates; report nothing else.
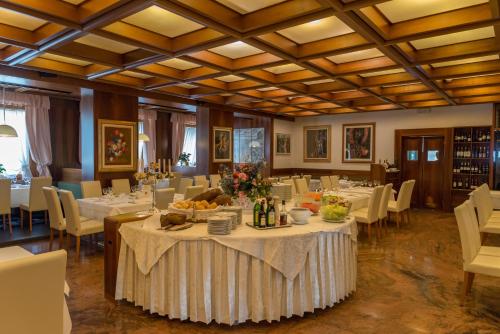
(97, 105)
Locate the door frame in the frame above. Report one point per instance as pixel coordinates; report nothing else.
(446, 133)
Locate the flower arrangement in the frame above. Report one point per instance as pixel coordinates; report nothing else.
(246, 181)
(116, 146)
(150, 174)
(184, 158)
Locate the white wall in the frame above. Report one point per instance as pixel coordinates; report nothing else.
(386, 123)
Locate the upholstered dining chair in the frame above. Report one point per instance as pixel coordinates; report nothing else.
(74, 225)
(164, 197)
(326, 184)
(199, 178)
(489, 220)
(292, 185)
(403, 203)
(202, 182)
(56, 218)
(91, 189)
(5, 202)
(36, 200)
(334, 180)
(370, 214)
(384, 204)
(174, 183)
(193, 191)
(301, 186)
(308, 179)
(273, 180)
(283, 178)
(183, 184)
(32, 293)
(214, 180)
(120, 186)
(294, 177)
(477, 259)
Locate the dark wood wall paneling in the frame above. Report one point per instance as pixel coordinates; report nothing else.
(218, 118)
(317, 172)
(64, 115)
(163, 135)
(102, 105)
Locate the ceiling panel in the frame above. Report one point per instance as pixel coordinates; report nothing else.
(179, 64)
(284, 68)
(236, 50)
(458, 37)
(356, 55)
(105, 44)
(374, 74)
(316, 30)
(230, 78)
(136, 75)
(65, 59)
(465, 61)
(315, 82)
(20, 20)
(246, 6)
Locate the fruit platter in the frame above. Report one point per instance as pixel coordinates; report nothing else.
(311, 201)
(334, 208)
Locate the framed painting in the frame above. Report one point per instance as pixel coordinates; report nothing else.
(117, 145)
(317, 143)
(358, 142)
(283, 144)
(222, 144)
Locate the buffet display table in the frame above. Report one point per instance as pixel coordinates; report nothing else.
(249, 274)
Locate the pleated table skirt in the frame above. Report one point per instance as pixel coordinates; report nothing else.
(202, 280)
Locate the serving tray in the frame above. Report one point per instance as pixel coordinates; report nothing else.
(268, 227)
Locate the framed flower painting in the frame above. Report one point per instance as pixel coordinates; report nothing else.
(117, 145)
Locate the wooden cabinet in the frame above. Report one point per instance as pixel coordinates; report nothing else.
(472, 161)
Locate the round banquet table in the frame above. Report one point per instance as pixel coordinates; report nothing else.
(247, 275)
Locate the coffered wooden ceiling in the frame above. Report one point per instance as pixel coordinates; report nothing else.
(294, 57)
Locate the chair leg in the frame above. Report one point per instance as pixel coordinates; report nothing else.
(68, 241)
(60, 239)
(369, 232)
(31, 221)
(51, 239)
(3, 221)
(398, 218)
(45, 217)
(385, 222)
(10, 223)
(408, 216)
(78, 248)
(21, 217)
(468, 279)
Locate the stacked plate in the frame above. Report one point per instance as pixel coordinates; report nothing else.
(232, 215)
(219, 225)
(237, 209)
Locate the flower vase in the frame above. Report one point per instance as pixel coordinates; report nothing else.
(246, 203)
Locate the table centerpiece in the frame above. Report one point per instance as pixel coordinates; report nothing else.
(149, 177)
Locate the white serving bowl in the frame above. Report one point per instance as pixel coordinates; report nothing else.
(300, 215)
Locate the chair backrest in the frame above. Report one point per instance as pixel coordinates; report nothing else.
(198, 178)
(174, 183)
(204, 183)
(32, 293)
(482, 201)
(292, 184)
(308, 179)
(164, 197)
(193, 191)
(408, 193)
(283, 178)
(301, 186)
(334, 179)
(273, 180)
(384, 201)
(55, 211)
(71, 211)
(183, 184)
(37, 200)
(469, 231)
(91, 189)
(214, 180)
(486, 196)
(326, 184)
(4, 196)
(294, 177)
(120, 186)
(374, 203)
(403, 190)
(377, 173)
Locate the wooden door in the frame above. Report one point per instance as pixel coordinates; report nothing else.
(422, 160)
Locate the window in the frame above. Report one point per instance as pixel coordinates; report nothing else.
(248, 145)
(189, 145)
(142, 148)
(412, 155)
(432, 155)
(14, 150)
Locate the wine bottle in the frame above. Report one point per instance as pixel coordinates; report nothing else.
(256, 212)
(283, 215)
(262, 214)
(270, 214)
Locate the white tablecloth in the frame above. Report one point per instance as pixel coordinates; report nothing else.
(314, 184)
(16, 252)
(250, 274)
(19, 194)
(99, 208)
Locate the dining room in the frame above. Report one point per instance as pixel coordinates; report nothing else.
(270, 166)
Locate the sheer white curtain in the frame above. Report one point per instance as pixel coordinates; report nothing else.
(37, 127)
(179, 123)
(190, 144)
(15, 150)
(148, 118)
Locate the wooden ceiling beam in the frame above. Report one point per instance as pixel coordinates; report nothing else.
(58, 12)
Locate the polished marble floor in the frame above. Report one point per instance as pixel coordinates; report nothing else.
(409, 281)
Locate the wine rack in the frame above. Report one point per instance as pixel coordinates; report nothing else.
(471, 159)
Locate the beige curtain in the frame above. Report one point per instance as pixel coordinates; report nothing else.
(148, 117)
(179, 123)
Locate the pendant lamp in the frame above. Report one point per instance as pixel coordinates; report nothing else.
(6, 130)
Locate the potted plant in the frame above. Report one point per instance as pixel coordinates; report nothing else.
(2, 170)
(184, 159)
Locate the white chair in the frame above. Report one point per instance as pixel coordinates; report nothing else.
(204, 183)
(326, 184)
(32, 293)
(164, 197)
(174, 183)
(295, 177)
(384, 204)
(5, 202)
(292, 184)
(489, 220)
(301, 186)
(91, 189)
(308, 179)
(199, 178)
(403, 203)
(477, 259)
(369, 215)
(120, 186)
(74, 225)
(36, 201)
(283, 178)
(183, 184)
(334, 180)
(214, 180)
(192, 191)
(56, 218)
(273, 180)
